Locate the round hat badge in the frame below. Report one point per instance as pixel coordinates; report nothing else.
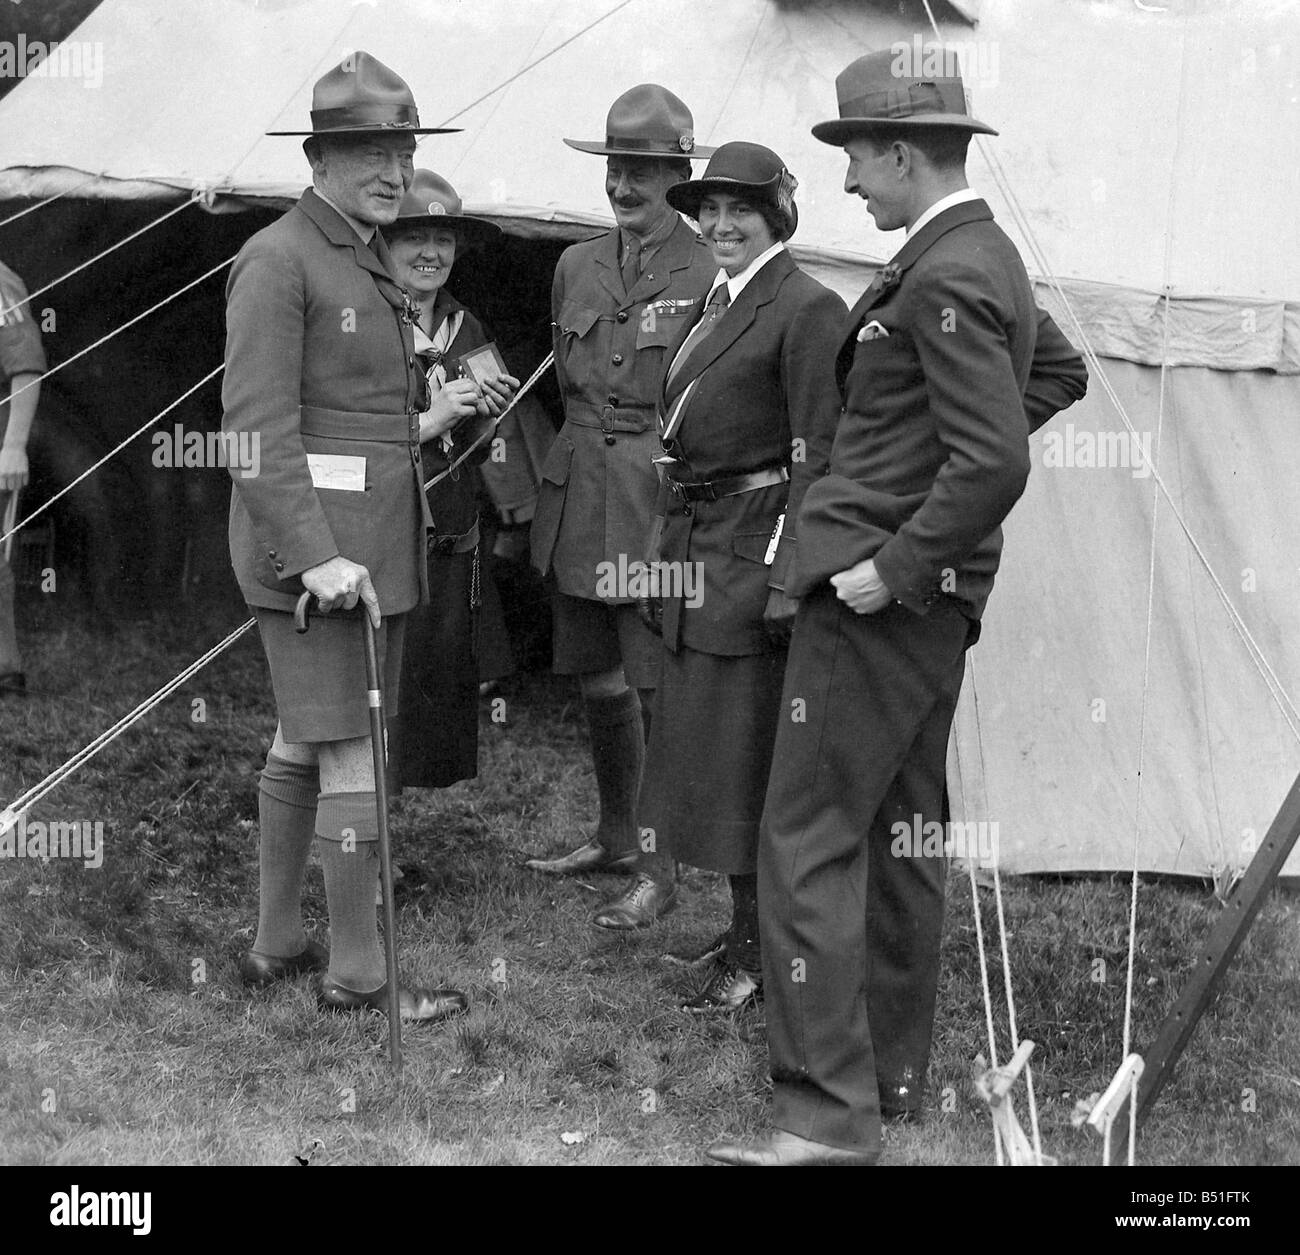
(686, 142)
(436, 208)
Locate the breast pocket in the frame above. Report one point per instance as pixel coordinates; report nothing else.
(575, 342)
(660, 323)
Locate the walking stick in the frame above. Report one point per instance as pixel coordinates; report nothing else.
(377, 747)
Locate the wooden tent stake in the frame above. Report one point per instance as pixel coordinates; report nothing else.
(1225, 939)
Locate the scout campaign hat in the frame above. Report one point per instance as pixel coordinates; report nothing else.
(740, 168)
(646, 121)
(362, 96)
(432, 201)
(880, 89)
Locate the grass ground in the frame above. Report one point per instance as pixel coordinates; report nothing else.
(125, 1036)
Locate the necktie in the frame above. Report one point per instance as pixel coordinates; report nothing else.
(717, 306)
(631, 263)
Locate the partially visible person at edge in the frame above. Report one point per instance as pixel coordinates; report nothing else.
(617, 302)
(321, 370)
(22, 363)
(945, 366)
(433, 739)
(747, 414)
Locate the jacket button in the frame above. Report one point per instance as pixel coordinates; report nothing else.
(617, 359)
(279, 566)
(609, 439)
(622, 315)
(410, 361)
(270, 553)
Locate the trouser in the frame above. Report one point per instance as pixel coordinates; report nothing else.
(850, 926)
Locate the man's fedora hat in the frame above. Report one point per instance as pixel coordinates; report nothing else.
(362, 96)
(647, 121)
(432, 202)
(741, 169)
(879, 90)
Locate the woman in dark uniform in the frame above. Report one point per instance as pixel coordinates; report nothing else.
(747, 414)
(434, 740)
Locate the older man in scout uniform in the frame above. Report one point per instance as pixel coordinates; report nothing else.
(22, 363)
(945, 368)
(320, 373)
(617, 302)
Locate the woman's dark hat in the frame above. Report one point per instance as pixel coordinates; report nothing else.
(741, 169)
(432, 202)
(647, 121)
(362, 96)
(876, 91)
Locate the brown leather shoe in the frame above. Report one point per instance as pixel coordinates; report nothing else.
(728, 990)
(415, 1005)
(592, 857)
(780, 1149)
(638, 906)
(699, 957)
(258, 970)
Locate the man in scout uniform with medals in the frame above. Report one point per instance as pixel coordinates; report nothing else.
(617, 302)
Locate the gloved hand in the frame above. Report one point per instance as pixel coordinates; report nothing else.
(778, 617)
(651, 610)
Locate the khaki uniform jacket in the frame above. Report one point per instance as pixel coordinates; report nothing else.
(599, 484)
(320, 360)
(763, 396)
(932, 449)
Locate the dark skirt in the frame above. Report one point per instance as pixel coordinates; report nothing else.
(433, 742)
(709, 755)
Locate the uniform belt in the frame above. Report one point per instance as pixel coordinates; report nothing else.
(714, 489)
(355, 425)
(612, 418)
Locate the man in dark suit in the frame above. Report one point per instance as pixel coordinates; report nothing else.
(616, 303)
(945, 368)
(320, 375)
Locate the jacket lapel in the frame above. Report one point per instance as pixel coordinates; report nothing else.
(341, 234)
(740, 315)
(890, 275)
(608, 274)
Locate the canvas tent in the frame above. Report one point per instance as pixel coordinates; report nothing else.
(1151, 152)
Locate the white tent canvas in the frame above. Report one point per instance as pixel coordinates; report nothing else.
(1149, 161)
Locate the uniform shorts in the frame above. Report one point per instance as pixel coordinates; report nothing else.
(593, 636)
(319, 677)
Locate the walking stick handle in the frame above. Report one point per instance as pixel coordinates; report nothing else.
(301, 612)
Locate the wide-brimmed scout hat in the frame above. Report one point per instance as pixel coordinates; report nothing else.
(873, 91)
(646, 121)
(432, 202)
(362, 96)
(739, 168)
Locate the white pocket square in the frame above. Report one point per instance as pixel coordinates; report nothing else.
(872, 331)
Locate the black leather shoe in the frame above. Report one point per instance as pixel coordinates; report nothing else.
(592, 857)
(420, 1006)
(715, 949)
(638, 906)
(729, 989)
(258, 970)
(780, 1149)
(13, 684)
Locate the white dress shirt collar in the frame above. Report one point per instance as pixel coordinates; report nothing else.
(736, 283)
(944, 202)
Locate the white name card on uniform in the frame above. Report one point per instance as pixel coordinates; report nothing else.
(342, 471)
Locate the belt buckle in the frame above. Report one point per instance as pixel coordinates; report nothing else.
(607, 420)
